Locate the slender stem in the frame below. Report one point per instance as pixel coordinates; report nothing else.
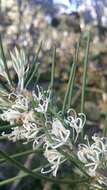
(20, 176)
(84, 77)
(85, 73)
(34, 68)
(17, 155)
(105, 128)
(68, 88)
(4, 61)
(75, 62)
(62, 181)
(31, 172)
(32, 74)
(53, 69)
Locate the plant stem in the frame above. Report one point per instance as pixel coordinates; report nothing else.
(53, 69)
(17, 155)
(34, 173)
(85, 73)
(58, 181)
(68, 88)
(105, 128)
(34, 68)
(75, 62)
(84, 77)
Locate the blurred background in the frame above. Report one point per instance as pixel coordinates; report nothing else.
(24, 23)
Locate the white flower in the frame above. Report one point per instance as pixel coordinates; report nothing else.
(20, 103)
(42, 98)
(76, 122)
(16, 134)
(54, 158)
(18, 110)
(100, 143)
(10, 115)
(32, 133)
(59, 134)
(92, 155)
(27, 132)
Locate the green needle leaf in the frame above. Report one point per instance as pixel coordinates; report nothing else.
(34, 68)
(75, 62)
(85, 73)
(53, 69)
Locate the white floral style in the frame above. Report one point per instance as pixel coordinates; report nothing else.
(76, 122)
(54, 158)
(10, 115)
(92, 155)
(42, 98)
(27, 132)
(18, 111)
(59, 134)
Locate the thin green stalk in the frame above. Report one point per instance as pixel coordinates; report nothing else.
(68, 88)
(23, 175)
(17, 155)
(21, 166)
(85, 73)
(31, 172)
(4, 61)
(105, 128)
(34, 68)
(32, 74)
(53, 69)
(75, 62)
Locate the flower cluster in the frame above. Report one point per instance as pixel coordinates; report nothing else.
(33, 120)
(53, 133)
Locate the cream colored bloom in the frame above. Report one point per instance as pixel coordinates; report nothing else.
(59, 134)
(27, 132)
(92, 155)
(18, 110)
(76, 122)
(42, 98)
(21, 103)
(54, 158)
(10, 115)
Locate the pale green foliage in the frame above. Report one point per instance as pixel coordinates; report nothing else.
(19, 62)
